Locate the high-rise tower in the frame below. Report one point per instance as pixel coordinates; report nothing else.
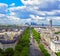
(50, 23)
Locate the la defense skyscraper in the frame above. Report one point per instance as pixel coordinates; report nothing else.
(50, 22)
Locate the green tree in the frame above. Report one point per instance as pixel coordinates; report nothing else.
(1, 51)
(58, 54)
(22, 47)
(18, 47)
(25, 51)
(1, 54)
(44, 51)
(17, 53)
(36, 35)
(9, 52)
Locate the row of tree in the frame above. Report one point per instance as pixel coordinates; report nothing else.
(41, 46)
(58, 53)
(57, 32)
(44, 51)
(22, 47)
(36, 35)
(7, 52)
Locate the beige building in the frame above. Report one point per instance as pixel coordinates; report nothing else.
(9, 45)
(53, 40)
(55, 43)
(9, 39)
(55, 46)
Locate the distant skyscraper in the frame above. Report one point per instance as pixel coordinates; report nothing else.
(42, 24)
(50, 23)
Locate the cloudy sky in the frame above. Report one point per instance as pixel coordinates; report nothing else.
(22, 11)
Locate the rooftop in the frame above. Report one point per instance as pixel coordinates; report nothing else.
(56, 42)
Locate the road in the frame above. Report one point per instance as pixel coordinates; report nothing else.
(34, 49)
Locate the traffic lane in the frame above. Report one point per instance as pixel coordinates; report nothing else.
(34, 49)
(37, 52)
(32, 53)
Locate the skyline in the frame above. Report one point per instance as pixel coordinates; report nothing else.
(22, 11)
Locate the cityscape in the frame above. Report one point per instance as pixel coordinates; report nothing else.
(29, 27)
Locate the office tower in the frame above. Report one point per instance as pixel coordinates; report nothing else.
(50, 23)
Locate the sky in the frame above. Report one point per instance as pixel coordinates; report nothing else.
(26, 11)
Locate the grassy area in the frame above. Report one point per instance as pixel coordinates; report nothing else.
(36, 35)
(57, 32)
(58, 54)
(44, 51)
(41, 46)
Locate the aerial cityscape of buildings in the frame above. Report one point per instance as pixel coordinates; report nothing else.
(49, 37)
(29, 27)
(9, 37)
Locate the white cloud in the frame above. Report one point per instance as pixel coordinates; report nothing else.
(33, 17)
(32, 9)
(50, 13)
(13, 4)
(3, 8)
(53, 18)
(30, 2)
(3, 5)
(17, 8)
(58, 11)
(57, 18)
(41, 13)
(17, 20)
(2, 15)
(13, 18)
(12, 14)
(36, 2)
(46, 5)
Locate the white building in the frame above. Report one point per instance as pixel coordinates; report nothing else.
(9, 39)
(53, 40)
(55, 46)
(10, 45)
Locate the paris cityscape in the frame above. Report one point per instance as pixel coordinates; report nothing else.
(29, 27)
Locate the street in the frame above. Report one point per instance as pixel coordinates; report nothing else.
(34, 48)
